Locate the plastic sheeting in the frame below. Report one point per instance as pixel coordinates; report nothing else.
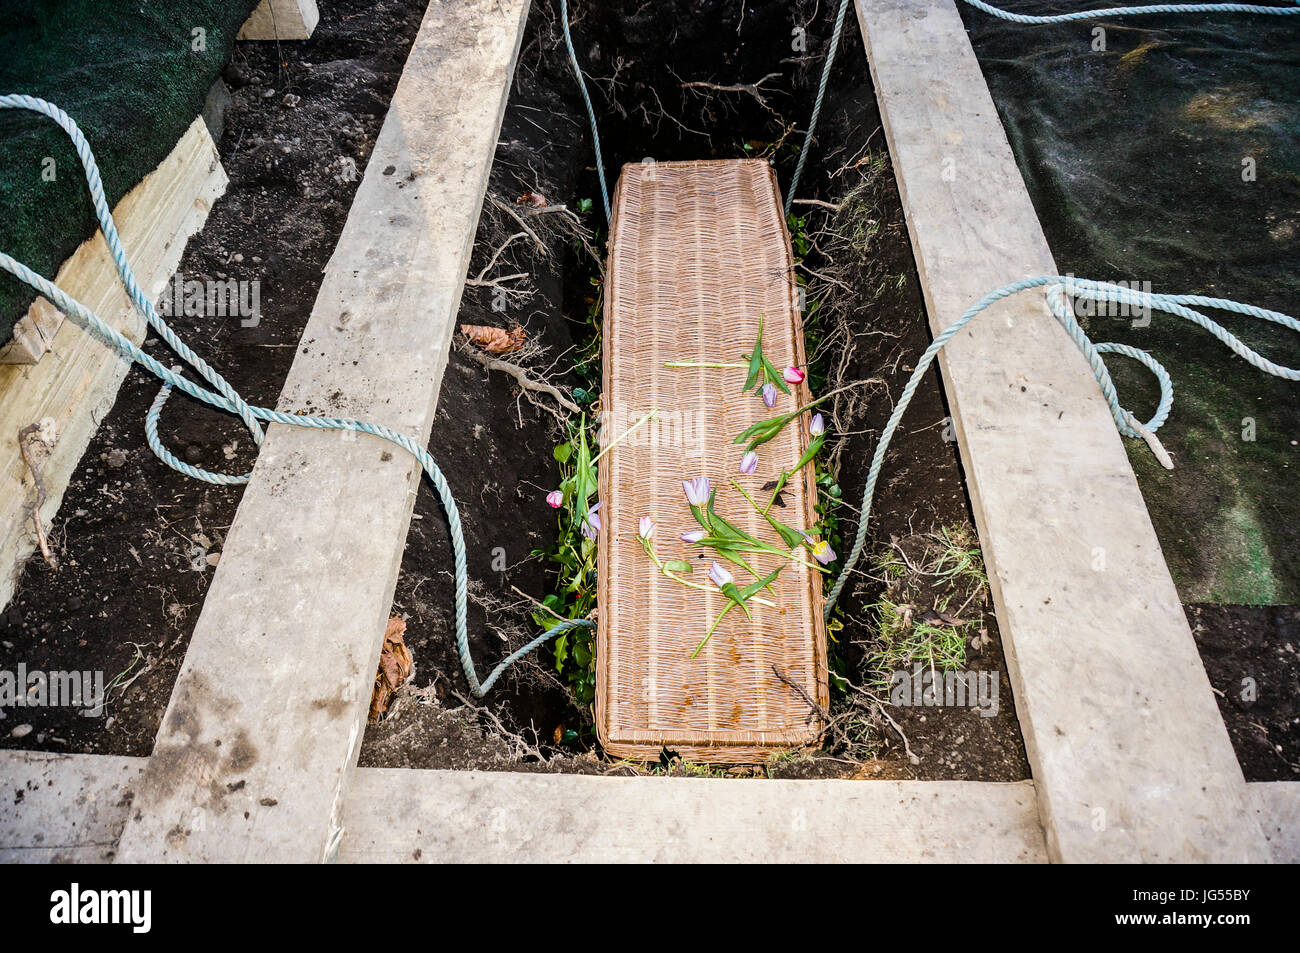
(132, 73)
(1166, 149)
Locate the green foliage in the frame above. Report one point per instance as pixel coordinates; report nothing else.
(760, 366)
(575, 556)
(828, 488)
(922, 615)
(800, 242)
(904, 639)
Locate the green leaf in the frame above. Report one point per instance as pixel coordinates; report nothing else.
(761, 432)
(774, 376)
(721, 527)
(678, 565)
(731, 592)
(754, 587)
(563, 452)
(755, 358)
(813, 449)
(789, 535)
(727, 549)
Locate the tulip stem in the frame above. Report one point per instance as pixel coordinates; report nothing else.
(695, 585)
(615, 442)
(721, 615)
(765, 548)
(702, 364)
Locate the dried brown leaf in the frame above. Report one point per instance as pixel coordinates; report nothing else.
(494, 340)
(395, 667)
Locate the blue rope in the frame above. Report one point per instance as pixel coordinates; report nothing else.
(1134, 11)
(817, 105)
(1060, 289)
(591, 112)
(224, 397)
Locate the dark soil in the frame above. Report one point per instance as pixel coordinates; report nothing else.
(545, 149)
(130, 529)
(1250, 654)
(128, 533)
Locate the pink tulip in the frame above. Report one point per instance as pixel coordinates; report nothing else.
(591, 522)
(820, 549)
(555, 498)
(720, 576)
(646, 528)
(793, 375)
(697, 490)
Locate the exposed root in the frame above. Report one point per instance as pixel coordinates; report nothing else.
(525, 380)
(754, 89)
(482, 281)
(509, 210)
(25, 436)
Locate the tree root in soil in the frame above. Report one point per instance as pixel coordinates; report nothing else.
(526, 381)
(32, 432)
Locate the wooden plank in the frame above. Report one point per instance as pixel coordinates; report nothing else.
(399, 816)
(58, 809)
(76, 382)
(1277, 805)
(1130, 755)
(281, 20)
(33, 333)
(73, 807)
(262, 730)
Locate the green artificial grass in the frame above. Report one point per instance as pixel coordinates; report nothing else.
(130, 75)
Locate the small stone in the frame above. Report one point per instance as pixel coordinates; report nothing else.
(21, 731)
(194, 453)
(290, 100)
(115, 458)
(236, 76)
(214, 558)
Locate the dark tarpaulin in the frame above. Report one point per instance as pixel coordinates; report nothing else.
(1139, 159)
(128, 72)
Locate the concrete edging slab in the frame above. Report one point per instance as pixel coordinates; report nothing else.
(1129, 753)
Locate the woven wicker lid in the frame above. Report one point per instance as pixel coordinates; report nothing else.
(698, 252)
